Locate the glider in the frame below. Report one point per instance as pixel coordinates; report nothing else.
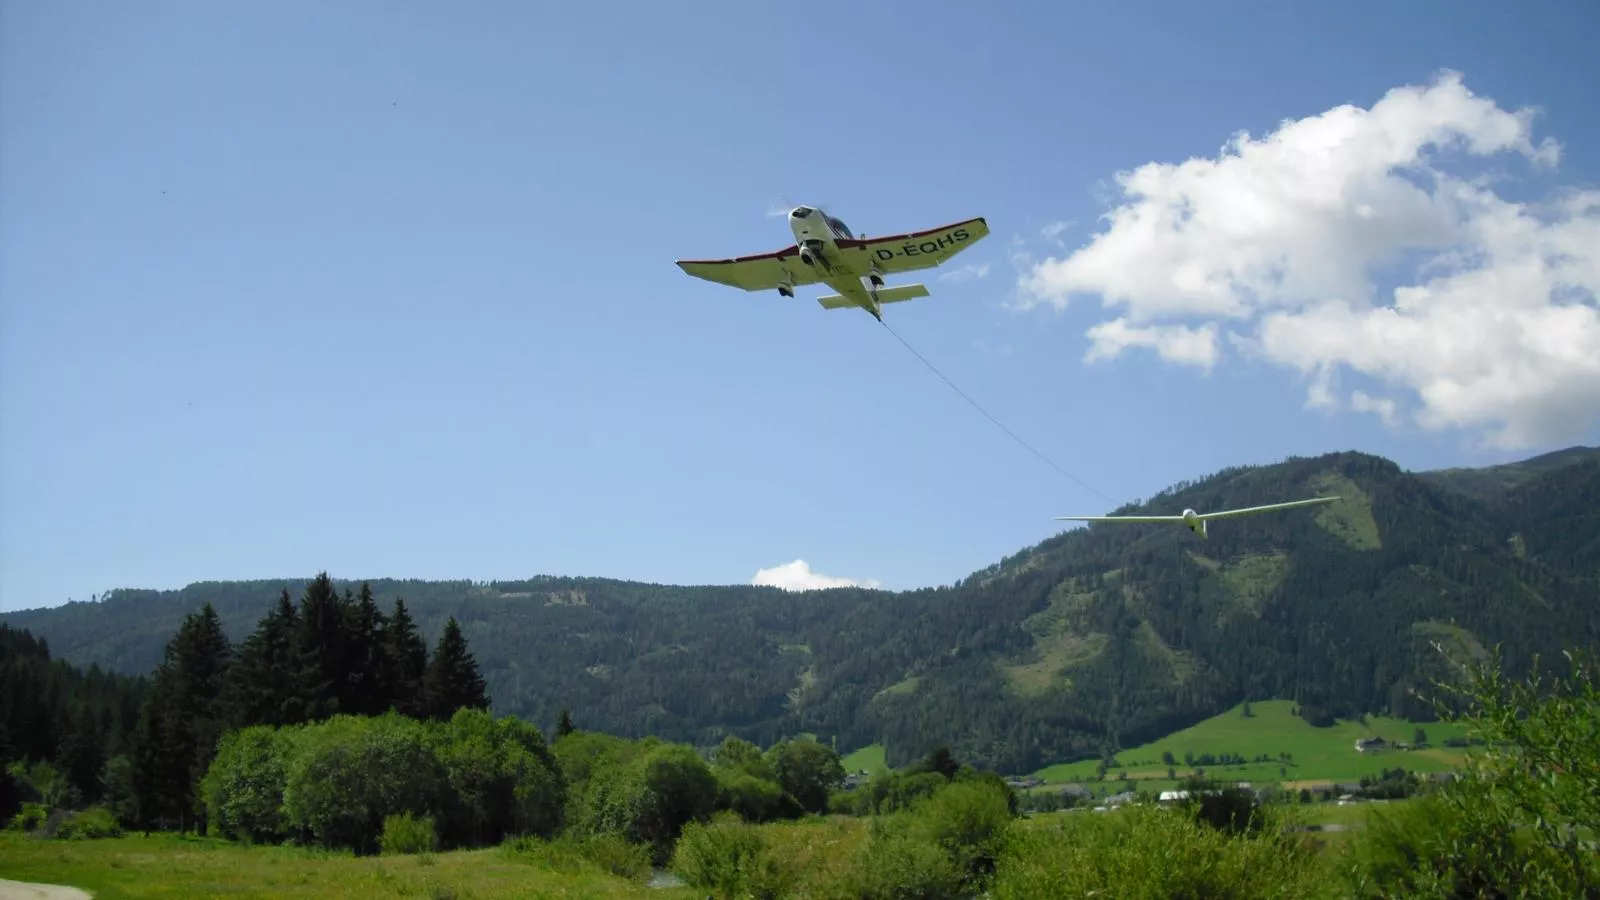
(1196, 522)
(825, 252)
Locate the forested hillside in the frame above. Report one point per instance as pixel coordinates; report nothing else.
(1094, 639)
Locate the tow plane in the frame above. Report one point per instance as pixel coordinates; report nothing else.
(826, 252)
(1196, 522)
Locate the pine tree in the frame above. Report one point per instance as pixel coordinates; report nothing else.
(452, 681)
(564, 727)
(322, 648)
(263, 684)
(182, 720)
(407, 657)
(366, 691)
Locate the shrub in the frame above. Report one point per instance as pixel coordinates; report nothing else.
(901, 864)
(1513, 824)
(31, 818)
(405, 834)
(754, 799)
(572, 854)
(91, 823)
(970, 822)
(348, 774)
(612, 854)
(1145, 851)
(730, 859)
(243, 787)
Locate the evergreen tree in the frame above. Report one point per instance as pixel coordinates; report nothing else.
(406, 655)
(182, 720)
(452, 681)
(564, 727)
(366, 689)
(264, 684)
(322, 648)
(81, 753)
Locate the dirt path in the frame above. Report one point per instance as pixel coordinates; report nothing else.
(22, 890)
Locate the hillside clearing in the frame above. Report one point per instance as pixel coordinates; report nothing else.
(1314, 754)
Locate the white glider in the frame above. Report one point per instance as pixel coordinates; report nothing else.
(1196, 522)
(853, 266)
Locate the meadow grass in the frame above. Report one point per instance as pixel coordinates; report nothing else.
(1318, 755)
(870, 758)
(168, 866)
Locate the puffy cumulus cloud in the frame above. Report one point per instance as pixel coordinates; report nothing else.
(1173, 343)
(798, 576)
(1491, 323)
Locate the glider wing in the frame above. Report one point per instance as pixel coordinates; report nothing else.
(1271, 506)
(1119, 518)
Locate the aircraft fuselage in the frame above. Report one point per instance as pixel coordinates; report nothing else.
(816, 234)
(1192, 520)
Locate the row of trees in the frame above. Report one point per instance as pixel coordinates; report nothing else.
(59, 724)
(142, 745)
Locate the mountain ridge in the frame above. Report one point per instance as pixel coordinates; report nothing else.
(1092, 639)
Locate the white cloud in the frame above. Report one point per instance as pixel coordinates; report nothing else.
(798, 576)
(1052, 232)
(1493, 322)
(963, 273)
(1383, 407)
(1173, 343)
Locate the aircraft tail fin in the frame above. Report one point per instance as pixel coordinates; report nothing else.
(885, 295)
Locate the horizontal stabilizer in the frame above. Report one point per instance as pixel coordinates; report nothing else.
(885, 295)
(902, 292)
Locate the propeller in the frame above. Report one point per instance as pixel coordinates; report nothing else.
(779, 207)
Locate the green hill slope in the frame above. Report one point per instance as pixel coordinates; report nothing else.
(1273, 744)
(1492, 482)
(1093, 640)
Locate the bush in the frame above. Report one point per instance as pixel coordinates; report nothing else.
(570, 854)
(900, 864)
(348, 774)
(615, 856)
(91, 823)
(31, 818)
(1513, 823)
(1231, 810)
(651, 797)
(970, 822)
(1145, 851)
(243, 787)
(405, 834)
(730, 859)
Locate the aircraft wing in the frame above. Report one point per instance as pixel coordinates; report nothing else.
(1271, 506)
(761, 272)
(1119, 518)
(917, 249)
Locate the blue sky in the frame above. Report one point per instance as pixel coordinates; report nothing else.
(387, 289)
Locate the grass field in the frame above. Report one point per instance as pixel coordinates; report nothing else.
(1316, 755)
(869, 758)
(167, 866)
